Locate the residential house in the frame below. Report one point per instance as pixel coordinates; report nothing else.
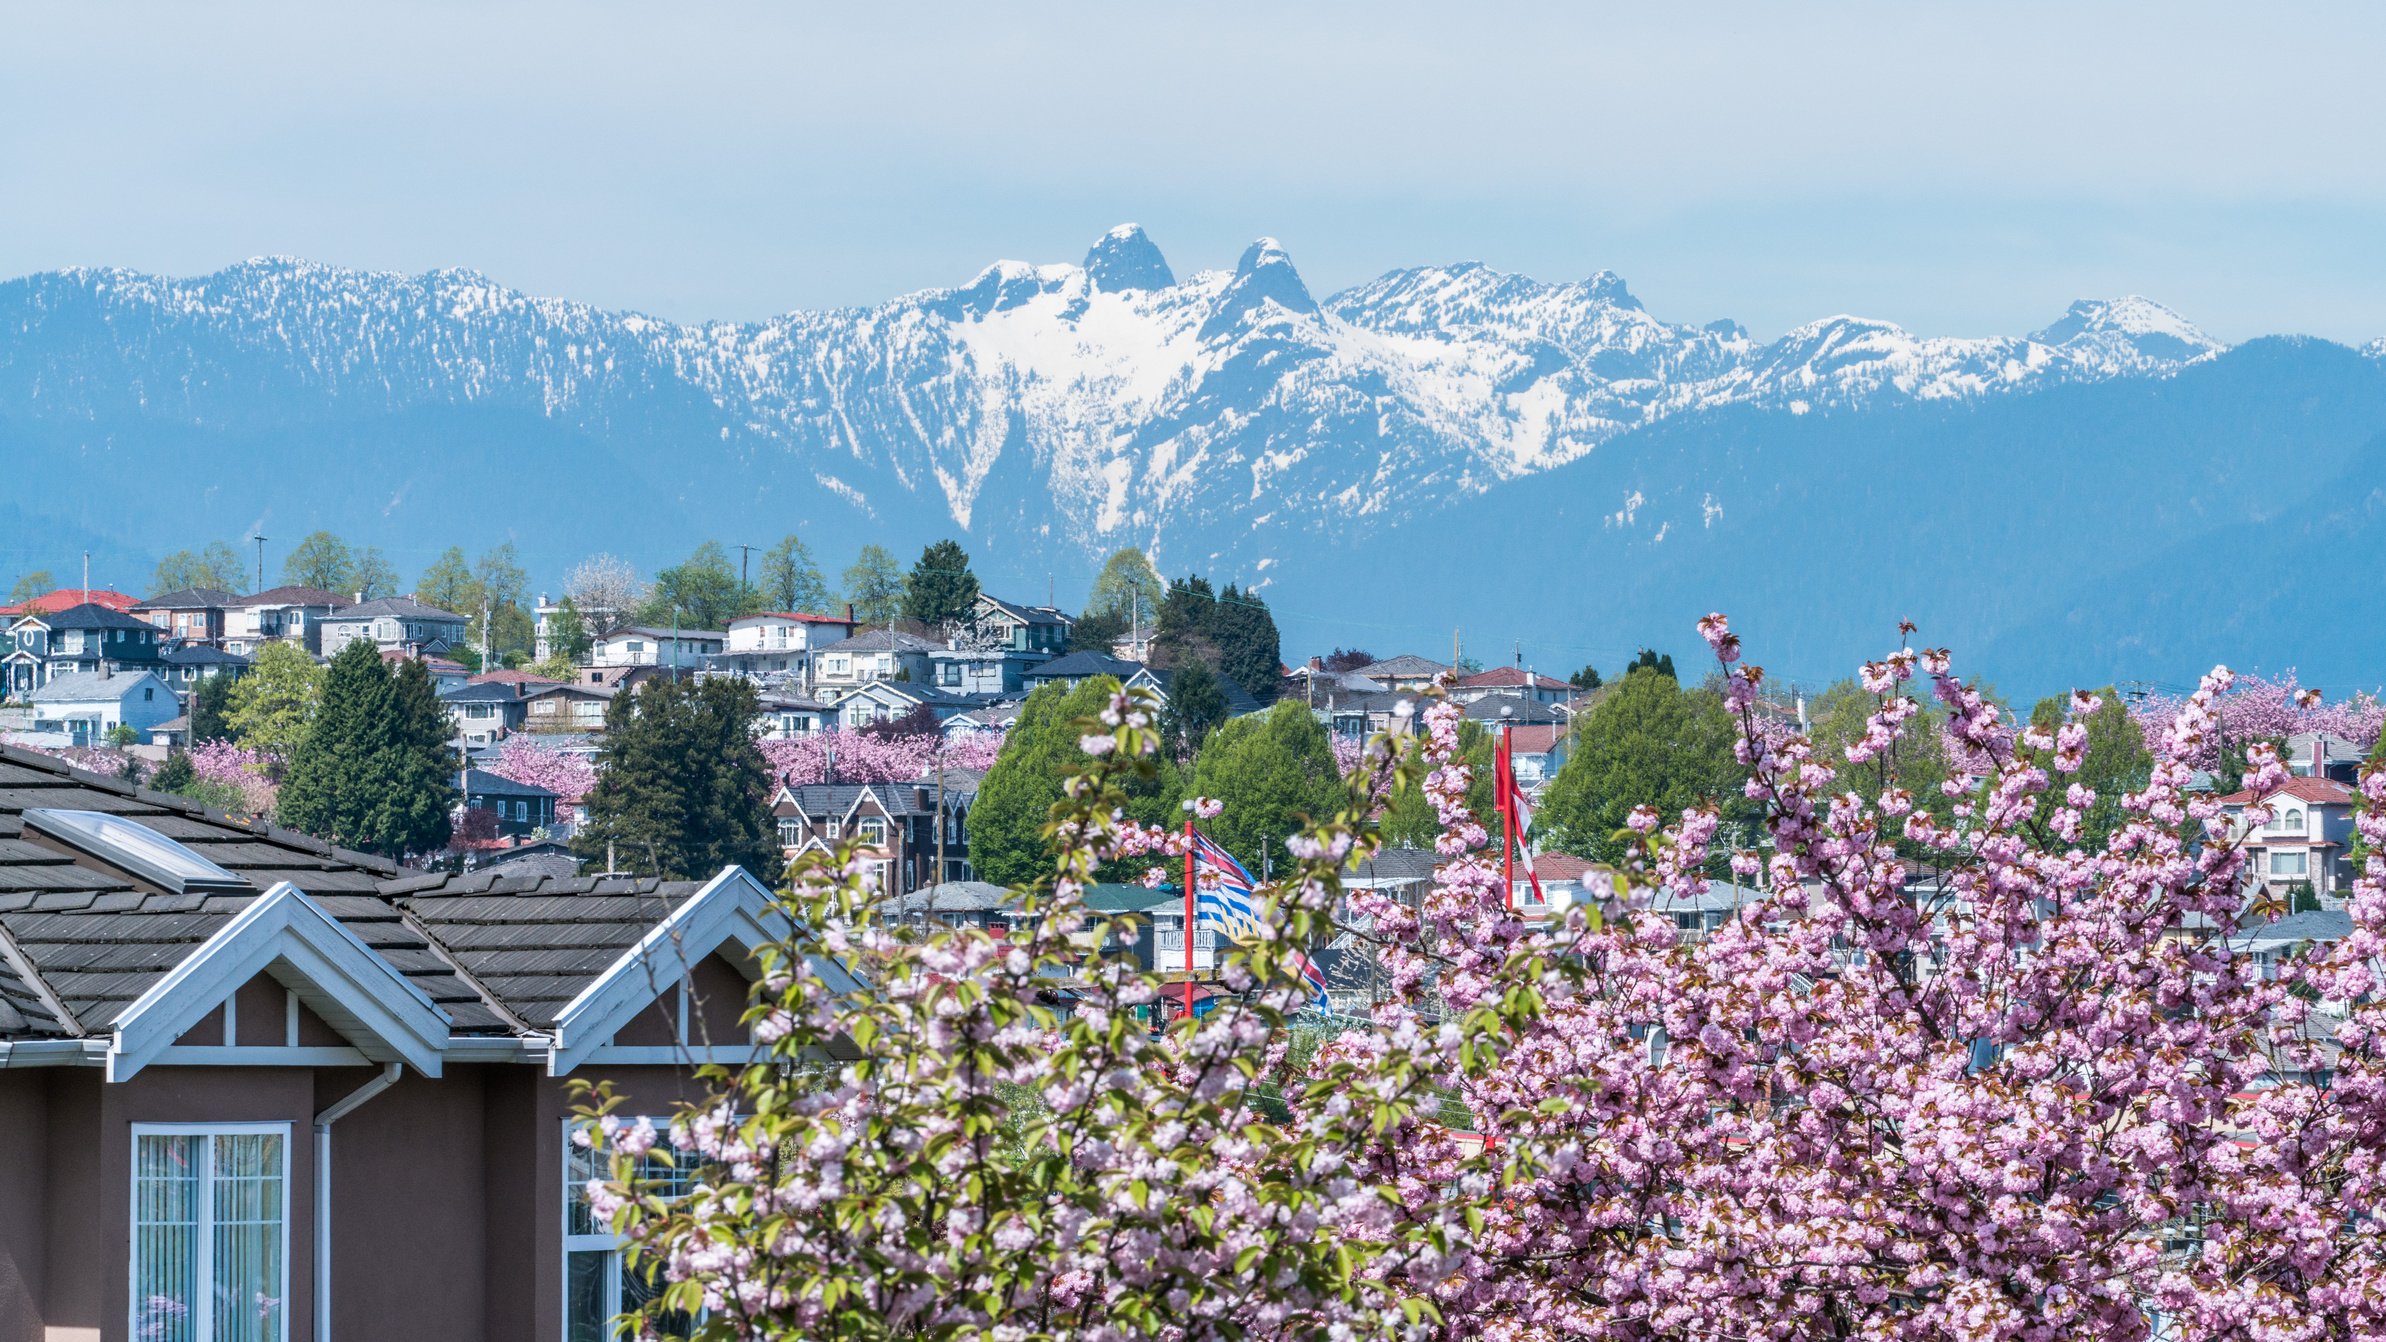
(779, 643)
(995, 716)
(1512, 681)
(486, 713)
(791, 715)
(644, 645)
(566, 708)
(519, 807)
(1358, 714)
(621, 679)
(240, 1065)
(398, 624)
(183, 667)
(976, 671)
(846, 665)
(87, 705)
(1493, 710)
(192, 616)
(1406, 672)
(1078, 667)
(58, 599)
(2296, 934)
(86, 637)
(545, 615)
(891, 700)
(902, 821)
(1540, 750)
(1016, 636)
(445, 674)
(280, 614)
(2322, 755)
(979, 904)
(2304, 842)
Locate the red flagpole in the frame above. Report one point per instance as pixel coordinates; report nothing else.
(1507, 817)
(1188, 917)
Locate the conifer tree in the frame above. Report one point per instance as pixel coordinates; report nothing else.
(682, 790)
(211, 701)
(1196, 705)
(421, 765)
(941, 587)
(334, 774)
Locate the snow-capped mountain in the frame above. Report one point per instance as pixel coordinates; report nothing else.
(1153, 409)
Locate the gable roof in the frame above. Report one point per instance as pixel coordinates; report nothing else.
(191, 598)
(293, 596)
(1032, 615)
(92, 615)
(509, 676)
(201, 654)
(60, 598)
(1511, 677)
(1404, 665)
(85, 687)
(2302, 787)
(1084, 666)
(482, 783)
(882, 640)
(399, 607)
(479, 692)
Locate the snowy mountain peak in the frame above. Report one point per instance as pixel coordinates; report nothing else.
(1264, 275)
(2134, 330)
(1608, 287)
(1126, 259)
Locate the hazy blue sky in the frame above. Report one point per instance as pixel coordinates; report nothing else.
(1961, 169)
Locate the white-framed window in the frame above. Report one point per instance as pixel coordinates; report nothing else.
(211, 1232)
(871, 829)
(598, 1284)
(791, 832)
(2289, 862)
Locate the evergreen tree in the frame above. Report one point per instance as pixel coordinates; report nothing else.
(322, 561)
(1096, 631)
(272, 707)
(1269, 768)
(217, 566)
(1196, 706)
(1585, 679)
(211, 705)
(941, 587)
(1182, 633)
(1007, 844)
(1648, 743)
(567, 634)
(1651, 659)
(874, 585)
(1409, 820)
(1249, 651)
(791, 581)
(412, 813)
(175, 774)
(448, 584)
(682, 790)
(336, 772)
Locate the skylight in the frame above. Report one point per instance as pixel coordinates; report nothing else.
(134, 847)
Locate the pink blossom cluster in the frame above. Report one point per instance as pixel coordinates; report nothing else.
(250, 771)
(850, 756)
(526, 759)
(2263, 708)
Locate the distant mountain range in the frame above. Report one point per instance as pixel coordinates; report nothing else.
(1443, 448)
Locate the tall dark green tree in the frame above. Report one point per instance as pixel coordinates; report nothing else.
(682, 791)
(1007, 844)
(1653, 660)
(375, 771)
(1196, 706)
(211, 701)
(1250, 653)
(1270, 769)
(1648, 743)
(941, 586)
(1183, 630)
(1585, 679)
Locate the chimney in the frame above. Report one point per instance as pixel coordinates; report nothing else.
(849, 612)
(1317, 663)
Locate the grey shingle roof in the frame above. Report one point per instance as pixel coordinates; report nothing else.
(399, 607)
(532, 940)
(482, 783)
(92, 615)
(96, 940)
(191, 598)
(1083, 666)
(882, 640)
(83, 687)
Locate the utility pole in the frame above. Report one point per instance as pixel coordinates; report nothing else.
(940, 815)
(744, 553)
(86, 577)
(259, 538)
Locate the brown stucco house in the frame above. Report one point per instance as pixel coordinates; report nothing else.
(262, 1090)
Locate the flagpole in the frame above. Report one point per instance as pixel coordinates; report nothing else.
(1507, 816)
(1188, 911)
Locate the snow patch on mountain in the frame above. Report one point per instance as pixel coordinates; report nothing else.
(1138, 403)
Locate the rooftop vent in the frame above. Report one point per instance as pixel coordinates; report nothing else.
(135, 848)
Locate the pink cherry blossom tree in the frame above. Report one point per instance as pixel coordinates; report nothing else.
(2257, 708)
(846, 756)
(2019, 1089)
(526, 759)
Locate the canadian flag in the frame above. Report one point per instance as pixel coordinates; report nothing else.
(1519, 809)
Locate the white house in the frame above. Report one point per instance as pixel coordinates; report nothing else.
(87, 705)
(283, 614)
(846, 665)
(642, 645)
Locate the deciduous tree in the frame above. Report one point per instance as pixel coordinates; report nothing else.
(1277, 767)
(273, 704)
(874, 585)
(217, 565)
(1649, 742)
(322, 561)
(791, 580)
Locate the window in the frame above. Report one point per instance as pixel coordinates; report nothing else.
(791, 832)
(598, 1285)
(952, 673)
(2289, 862)
(871, 830)
(211, 1212)
(148, 694)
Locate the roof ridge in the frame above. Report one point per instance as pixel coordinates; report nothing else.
(456, 965)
